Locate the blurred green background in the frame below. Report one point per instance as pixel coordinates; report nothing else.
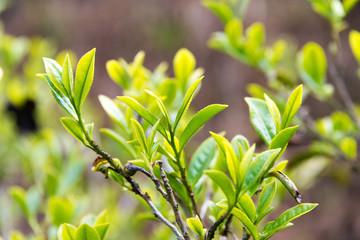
(44, 28)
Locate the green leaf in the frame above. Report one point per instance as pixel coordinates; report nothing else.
(312, 74)
(66, 232)
(84, 77)
(184, 64)
(247, 222)
(274, 110)
(261, 119)
(198, 120)
(257, 170)
(186, 102)
(245, 164)
(86, 232)
(233, 164)
(286, 217)
(161, 106)
(102, 217)
(102, 229)
(119, 139)
(59, 97)
(19, 195)
(266, 196)
(89, 127)
(54, 71)
(114, 112)
(201, 160)
(224, 183)
(152, 134)
(240, 145)
(283, 137)
(233, 30)
(60, 210)
(292, 106)
(140, 135)
(349, 4)
(195, 225)
(248, 207)
(354, 40)
(143, 112)
(220, 9)
(73, 127)
(67, 76)
(117, 73)
(349, 147)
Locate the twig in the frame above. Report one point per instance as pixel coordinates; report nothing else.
(134, 186)
(211, 232)
(227, 226)
(344, 93)
(133, 167)
(171, 199)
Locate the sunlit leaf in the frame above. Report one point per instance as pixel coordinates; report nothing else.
(84, 77)
(224, 183)
(86, 232)
(73, 128)
(198, 120)
(292, 106)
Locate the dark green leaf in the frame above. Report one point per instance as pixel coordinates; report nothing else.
(261, 119)
(257, 170)
(198, 121)
(84, 77)
(265, 199)
(201, 160)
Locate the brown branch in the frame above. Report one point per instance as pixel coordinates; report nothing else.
(133, 168)
(171, 199)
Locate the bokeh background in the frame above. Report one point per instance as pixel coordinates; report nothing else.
(160, 27)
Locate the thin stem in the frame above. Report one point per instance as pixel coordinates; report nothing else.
(227, 226)
(183, 176)
(133, 167)
(344, 93)
(134, 186)
(136, 189)
(211, 232)
(171, 199)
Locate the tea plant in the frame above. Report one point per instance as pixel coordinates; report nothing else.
(333, 137)
(154, 127)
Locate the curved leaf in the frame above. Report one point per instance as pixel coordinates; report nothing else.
(199, 119)
(201, 160)
(261, 119)
(73, 128)
(67, 75)
(84, 77)
(66, 232)
(354, 40)
(274, 110)
(265, 199)
(114, 112)
(224, 183)
(186, 102)
(86, 232)
(143, 112)
(283, 137)
(286, 217)
(292, 106)
(247, 222)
